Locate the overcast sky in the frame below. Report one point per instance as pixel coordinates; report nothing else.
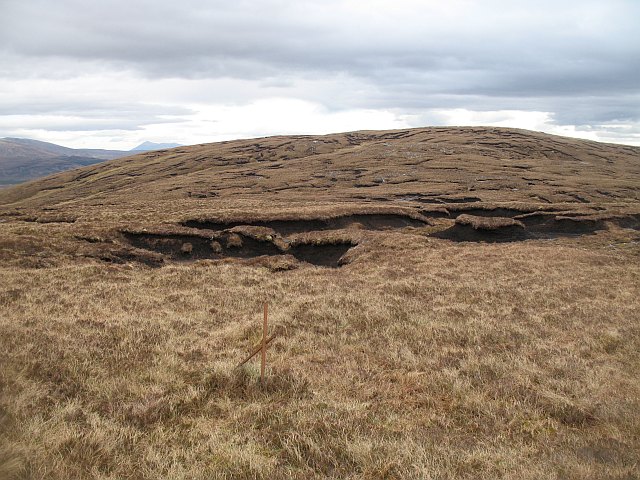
(114, 73)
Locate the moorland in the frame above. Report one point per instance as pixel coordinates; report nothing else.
(450, 302)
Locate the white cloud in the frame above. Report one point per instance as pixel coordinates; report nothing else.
(531, 120)
(271, 116)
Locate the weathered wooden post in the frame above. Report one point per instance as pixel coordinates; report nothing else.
(264, 345)
(261, 347)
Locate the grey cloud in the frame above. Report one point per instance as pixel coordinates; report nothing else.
(62, 124)
(74, 116)
(71, 106)
(251, 38)
(579, 60)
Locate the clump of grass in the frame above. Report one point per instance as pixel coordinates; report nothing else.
(12, 462)
(234, 241)
(216, 247)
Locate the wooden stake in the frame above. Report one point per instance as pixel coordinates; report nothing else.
(264, 345)
(256, 350)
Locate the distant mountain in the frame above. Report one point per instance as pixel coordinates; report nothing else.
(147, 146)
(22, 159)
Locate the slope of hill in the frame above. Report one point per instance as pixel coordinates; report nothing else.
(490, 164)
(448, 303)
(23, 159)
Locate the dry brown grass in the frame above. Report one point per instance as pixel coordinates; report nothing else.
(420, 358)
(511, 361)
(488, 223)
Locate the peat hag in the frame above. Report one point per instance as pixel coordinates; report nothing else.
(469, 228)
(186, 248)
(325, 255)
(538, 225)
(293, 226)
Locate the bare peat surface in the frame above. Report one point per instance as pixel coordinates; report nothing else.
(486, 212)
(469, 228)
(439, 200)
(292, 226)
(539, 225)
(324, 255)
(185, 248)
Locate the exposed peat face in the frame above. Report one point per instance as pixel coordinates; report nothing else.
(536, 225)
(213, 239)
(326, 255)
(293, 226)
(185, 248)
(470, 228)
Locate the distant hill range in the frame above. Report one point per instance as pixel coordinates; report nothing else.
(22, 159)
(147, 146)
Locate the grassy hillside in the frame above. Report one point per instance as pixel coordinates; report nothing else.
(449, 303)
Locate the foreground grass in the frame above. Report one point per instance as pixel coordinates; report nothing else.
(430, 360)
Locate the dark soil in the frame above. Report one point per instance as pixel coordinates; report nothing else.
(326, 255)
(439, 200)
(469, 228)
(466, 233)
(185, 248)
(292, 226)
(539, 225)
